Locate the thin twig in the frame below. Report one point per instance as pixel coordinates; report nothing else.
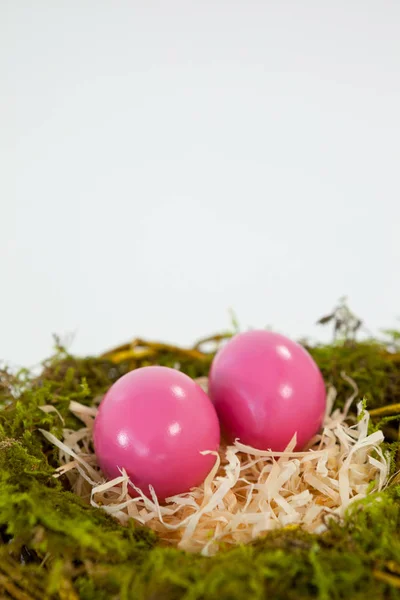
(139, 349)
(383, 411)
(391, 580)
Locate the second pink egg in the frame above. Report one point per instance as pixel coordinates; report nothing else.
(265, 388)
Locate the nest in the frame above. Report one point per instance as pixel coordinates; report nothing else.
(323, 523)
(248, 492)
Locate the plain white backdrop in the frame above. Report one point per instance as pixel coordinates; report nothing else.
(164, 161)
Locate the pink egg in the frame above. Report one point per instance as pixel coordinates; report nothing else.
(265, 388)
(154, 422)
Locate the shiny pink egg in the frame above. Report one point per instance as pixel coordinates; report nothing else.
(265, 388)
(154, 422)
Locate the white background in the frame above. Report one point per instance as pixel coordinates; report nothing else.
(164, 161)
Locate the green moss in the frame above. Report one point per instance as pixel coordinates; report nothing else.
(375, 371)
(52, 545)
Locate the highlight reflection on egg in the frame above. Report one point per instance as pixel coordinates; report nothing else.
(265, 388)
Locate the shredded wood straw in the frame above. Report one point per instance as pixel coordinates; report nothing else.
(248, 492)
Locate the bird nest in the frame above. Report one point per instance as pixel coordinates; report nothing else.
(322, 523)
(248, 492)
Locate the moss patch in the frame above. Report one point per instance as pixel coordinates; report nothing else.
(55, 546)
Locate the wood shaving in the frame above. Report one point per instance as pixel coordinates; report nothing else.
(248, 492)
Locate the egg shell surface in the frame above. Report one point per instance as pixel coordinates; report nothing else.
(265, 388)
(154, 422)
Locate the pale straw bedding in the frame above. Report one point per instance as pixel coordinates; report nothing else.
(248, 492)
